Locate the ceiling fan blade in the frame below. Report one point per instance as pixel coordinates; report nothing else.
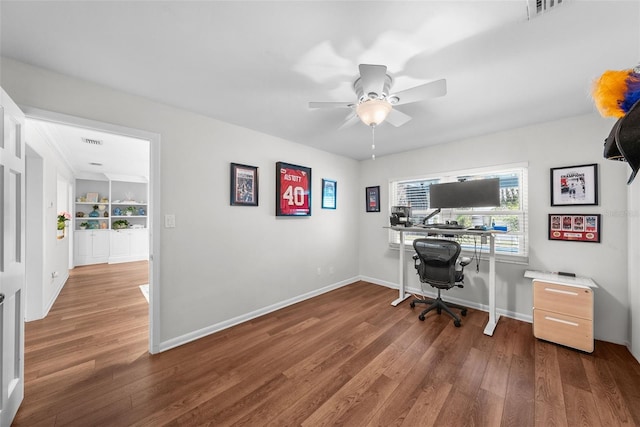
(331, 104)
(418, 93)
(397, 118)
(350, 120)
(372, 78)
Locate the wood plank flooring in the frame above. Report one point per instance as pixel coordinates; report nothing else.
(344, 358)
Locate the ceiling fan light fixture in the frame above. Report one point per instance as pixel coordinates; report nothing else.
(373, 112)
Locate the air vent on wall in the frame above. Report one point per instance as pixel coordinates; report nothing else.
(91, 141)
(539, 7)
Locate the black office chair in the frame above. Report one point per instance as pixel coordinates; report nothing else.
(437, 264)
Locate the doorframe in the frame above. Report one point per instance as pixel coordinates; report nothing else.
(154, 201)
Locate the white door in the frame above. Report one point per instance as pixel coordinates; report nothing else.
(12, 257)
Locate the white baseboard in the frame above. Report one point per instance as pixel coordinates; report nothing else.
(471, 304)
(192, 336)
(59, 284)
(128, 258)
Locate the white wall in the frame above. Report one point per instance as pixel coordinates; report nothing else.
(45, 253)
(34, 235)
(567, 142)
(221, 262)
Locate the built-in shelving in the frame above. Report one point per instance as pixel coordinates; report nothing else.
(101, 206)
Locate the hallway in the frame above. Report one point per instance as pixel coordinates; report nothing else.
(98, 323)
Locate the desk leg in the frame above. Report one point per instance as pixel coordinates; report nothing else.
(402, 295)
(493, 317)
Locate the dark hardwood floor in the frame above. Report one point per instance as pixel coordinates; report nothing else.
(344, 358)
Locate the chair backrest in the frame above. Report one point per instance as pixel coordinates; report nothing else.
(437, 261)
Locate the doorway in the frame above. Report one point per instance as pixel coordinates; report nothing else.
(151, 142)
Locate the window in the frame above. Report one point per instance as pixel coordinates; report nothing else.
(512, 212)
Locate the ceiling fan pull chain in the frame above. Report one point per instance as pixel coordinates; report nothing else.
(373, 141)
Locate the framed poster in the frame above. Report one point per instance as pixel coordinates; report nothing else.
(329, 193)
(575, 227)
(293, 190)
(372, 195)
(244, 185)
(574, 185)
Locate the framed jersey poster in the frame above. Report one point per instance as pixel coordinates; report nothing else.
(293, 190)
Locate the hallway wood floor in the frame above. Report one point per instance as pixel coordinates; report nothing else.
(344, 358)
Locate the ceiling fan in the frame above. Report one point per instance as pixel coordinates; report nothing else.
(375, 101)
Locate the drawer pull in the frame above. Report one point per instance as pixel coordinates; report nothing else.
(566, 322)
(560, 291)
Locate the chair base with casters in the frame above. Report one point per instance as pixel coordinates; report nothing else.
(437, 264)
(438, 304)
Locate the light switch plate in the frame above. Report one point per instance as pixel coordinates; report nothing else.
(169, 221)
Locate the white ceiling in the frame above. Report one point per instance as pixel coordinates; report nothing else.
(95, 154)
(258, 64)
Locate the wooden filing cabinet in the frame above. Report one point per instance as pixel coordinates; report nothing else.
(563, 311)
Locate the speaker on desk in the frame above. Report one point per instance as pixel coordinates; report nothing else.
(400, 216)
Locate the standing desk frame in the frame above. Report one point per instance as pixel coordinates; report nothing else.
(493, 316)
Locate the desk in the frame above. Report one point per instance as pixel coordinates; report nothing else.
(493, 316)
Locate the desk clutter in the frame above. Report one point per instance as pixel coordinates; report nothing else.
(401, 217)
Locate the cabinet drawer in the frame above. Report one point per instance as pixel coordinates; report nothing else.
(569, 300)
(567, 330)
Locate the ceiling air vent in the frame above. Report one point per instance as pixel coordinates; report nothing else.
(539, 7)
(91, 141)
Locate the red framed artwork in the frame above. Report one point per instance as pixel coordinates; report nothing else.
(372, 198)
(293, 190)
(575, 227)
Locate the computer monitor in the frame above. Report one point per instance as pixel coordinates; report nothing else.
(481, 193)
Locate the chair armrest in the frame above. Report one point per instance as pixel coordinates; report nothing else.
(464, 260)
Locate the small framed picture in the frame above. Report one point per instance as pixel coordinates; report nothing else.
(329, 193)
(372, 195)
(293, 190)
(574, 185)
(575, 227)
(92, 197)
(244, 185)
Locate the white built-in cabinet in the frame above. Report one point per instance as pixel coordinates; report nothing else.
(99, 233)
(91, 246)
(128, 245)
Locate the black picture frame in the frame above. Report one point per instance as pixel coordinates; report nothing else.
(574, 185)
(372, 199)
(243, 185)
(293, 190)
(329, 193)
(575, 227)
